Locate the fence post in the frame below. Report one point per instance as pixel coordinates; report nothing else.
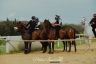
(58, 44)
(89, 42)
(7, 46)
(80, 38)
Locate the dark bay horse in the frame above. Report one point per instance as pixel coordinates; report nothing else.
(50, 34)
(25, 36)
(68, 33)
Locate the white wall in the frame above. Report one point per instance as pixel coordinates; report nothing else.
(14, 44)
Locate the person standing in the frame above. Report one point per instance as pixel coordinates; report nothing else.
(93, 24)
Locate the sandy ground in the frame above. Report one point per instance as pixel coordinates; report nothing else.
(84, 55)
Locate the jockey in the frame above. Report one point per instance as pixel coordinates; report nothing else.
(57, 24)
(32, 24)
(93, 24)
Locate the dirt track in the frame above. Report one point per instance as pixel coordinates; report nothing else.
(82, 56)
(59, 57)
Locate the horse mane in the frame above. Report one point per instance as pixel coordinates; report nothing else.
(22, 25)
(47, 24)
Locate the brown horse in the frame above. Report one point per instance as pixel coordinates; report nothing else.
(68, 33)
(25, 36)
(43, 36)
(50, 34)
(36, 35)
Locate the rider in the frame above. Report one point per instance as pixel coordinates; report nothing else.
(93, 24)
(32, 24)
(57, 24)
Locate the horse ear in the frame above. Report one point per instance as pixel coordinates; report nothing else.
(45, 19)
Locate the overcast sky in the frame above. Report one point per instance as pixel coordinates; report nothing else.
(71, 11)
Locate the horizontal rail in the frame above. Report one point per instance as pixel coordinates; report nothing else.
(58, 39)
(52, 40)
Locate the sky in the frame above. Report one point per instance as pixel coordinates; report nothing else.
(70, 11)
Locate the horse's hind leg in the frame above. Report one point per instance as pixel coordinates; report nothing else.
(69, 46)
(52, 47)
(64, 46)
(29, 46)
(49, 48)
(74, 45)
(26, 47)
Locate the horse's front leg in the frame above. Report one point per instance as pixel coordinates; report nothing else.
(74, 43)
(26, 47)
(44, 45)
(69, 46)
(49, 44)
(64, 46)
(29, 46)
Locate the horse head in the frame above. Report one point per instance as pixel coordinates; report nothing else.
(47, 24)
(20, 26)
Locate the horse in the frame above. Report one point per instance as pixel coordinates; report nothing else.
(64, 33)
(36, 35)
(25, 36)
(67, 33)
(50, 34)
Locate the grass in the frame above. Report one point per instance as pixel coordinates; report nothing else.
(2, 47)
(2, 42)
(78, 42)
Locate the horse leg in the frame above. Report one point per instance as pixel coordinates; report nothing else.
(52, 47)
(29, 46)
(26, 47)
(44, 44)
(74, 45)
(64, 46)
(69, 46)
(49, 47)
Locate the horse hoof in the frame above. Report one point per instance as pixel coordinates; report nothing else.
(29, 51)
(68, 51)
(52, 52)
(44, 51)
(49, 52)
(25, 52)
